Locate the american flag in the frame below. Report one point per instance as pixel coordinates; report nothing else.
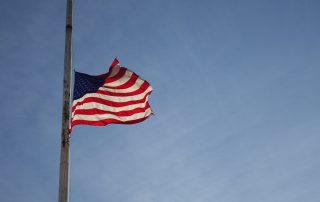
(119, 96)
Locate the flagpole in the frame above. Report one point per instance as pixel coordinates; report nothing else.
(65, 138)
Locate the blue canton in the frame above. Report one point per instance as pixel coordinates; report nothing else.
(85, 83)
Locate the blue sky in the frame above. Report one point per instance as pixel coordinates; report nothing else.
(236, 101)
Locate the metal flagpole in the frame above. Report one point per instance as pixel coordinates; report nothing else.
(65, 143)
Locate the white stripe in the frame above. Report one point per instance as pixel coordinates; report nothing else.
(121, 80)
(135, 87)
(99, 117)
(114, 70)
(95, 105)
(114, 98)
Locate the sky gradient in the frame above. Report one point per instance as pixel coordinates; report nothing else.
(236, 101)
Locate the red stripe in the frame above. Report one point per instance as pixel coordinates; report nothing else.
(142, 89)
(106, 122)
(120, 113)
(119, 75)
(115, 62)
(133, 79)
(110, 103)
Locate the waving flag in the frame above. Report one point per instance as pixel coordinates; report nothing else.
(119, 96)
